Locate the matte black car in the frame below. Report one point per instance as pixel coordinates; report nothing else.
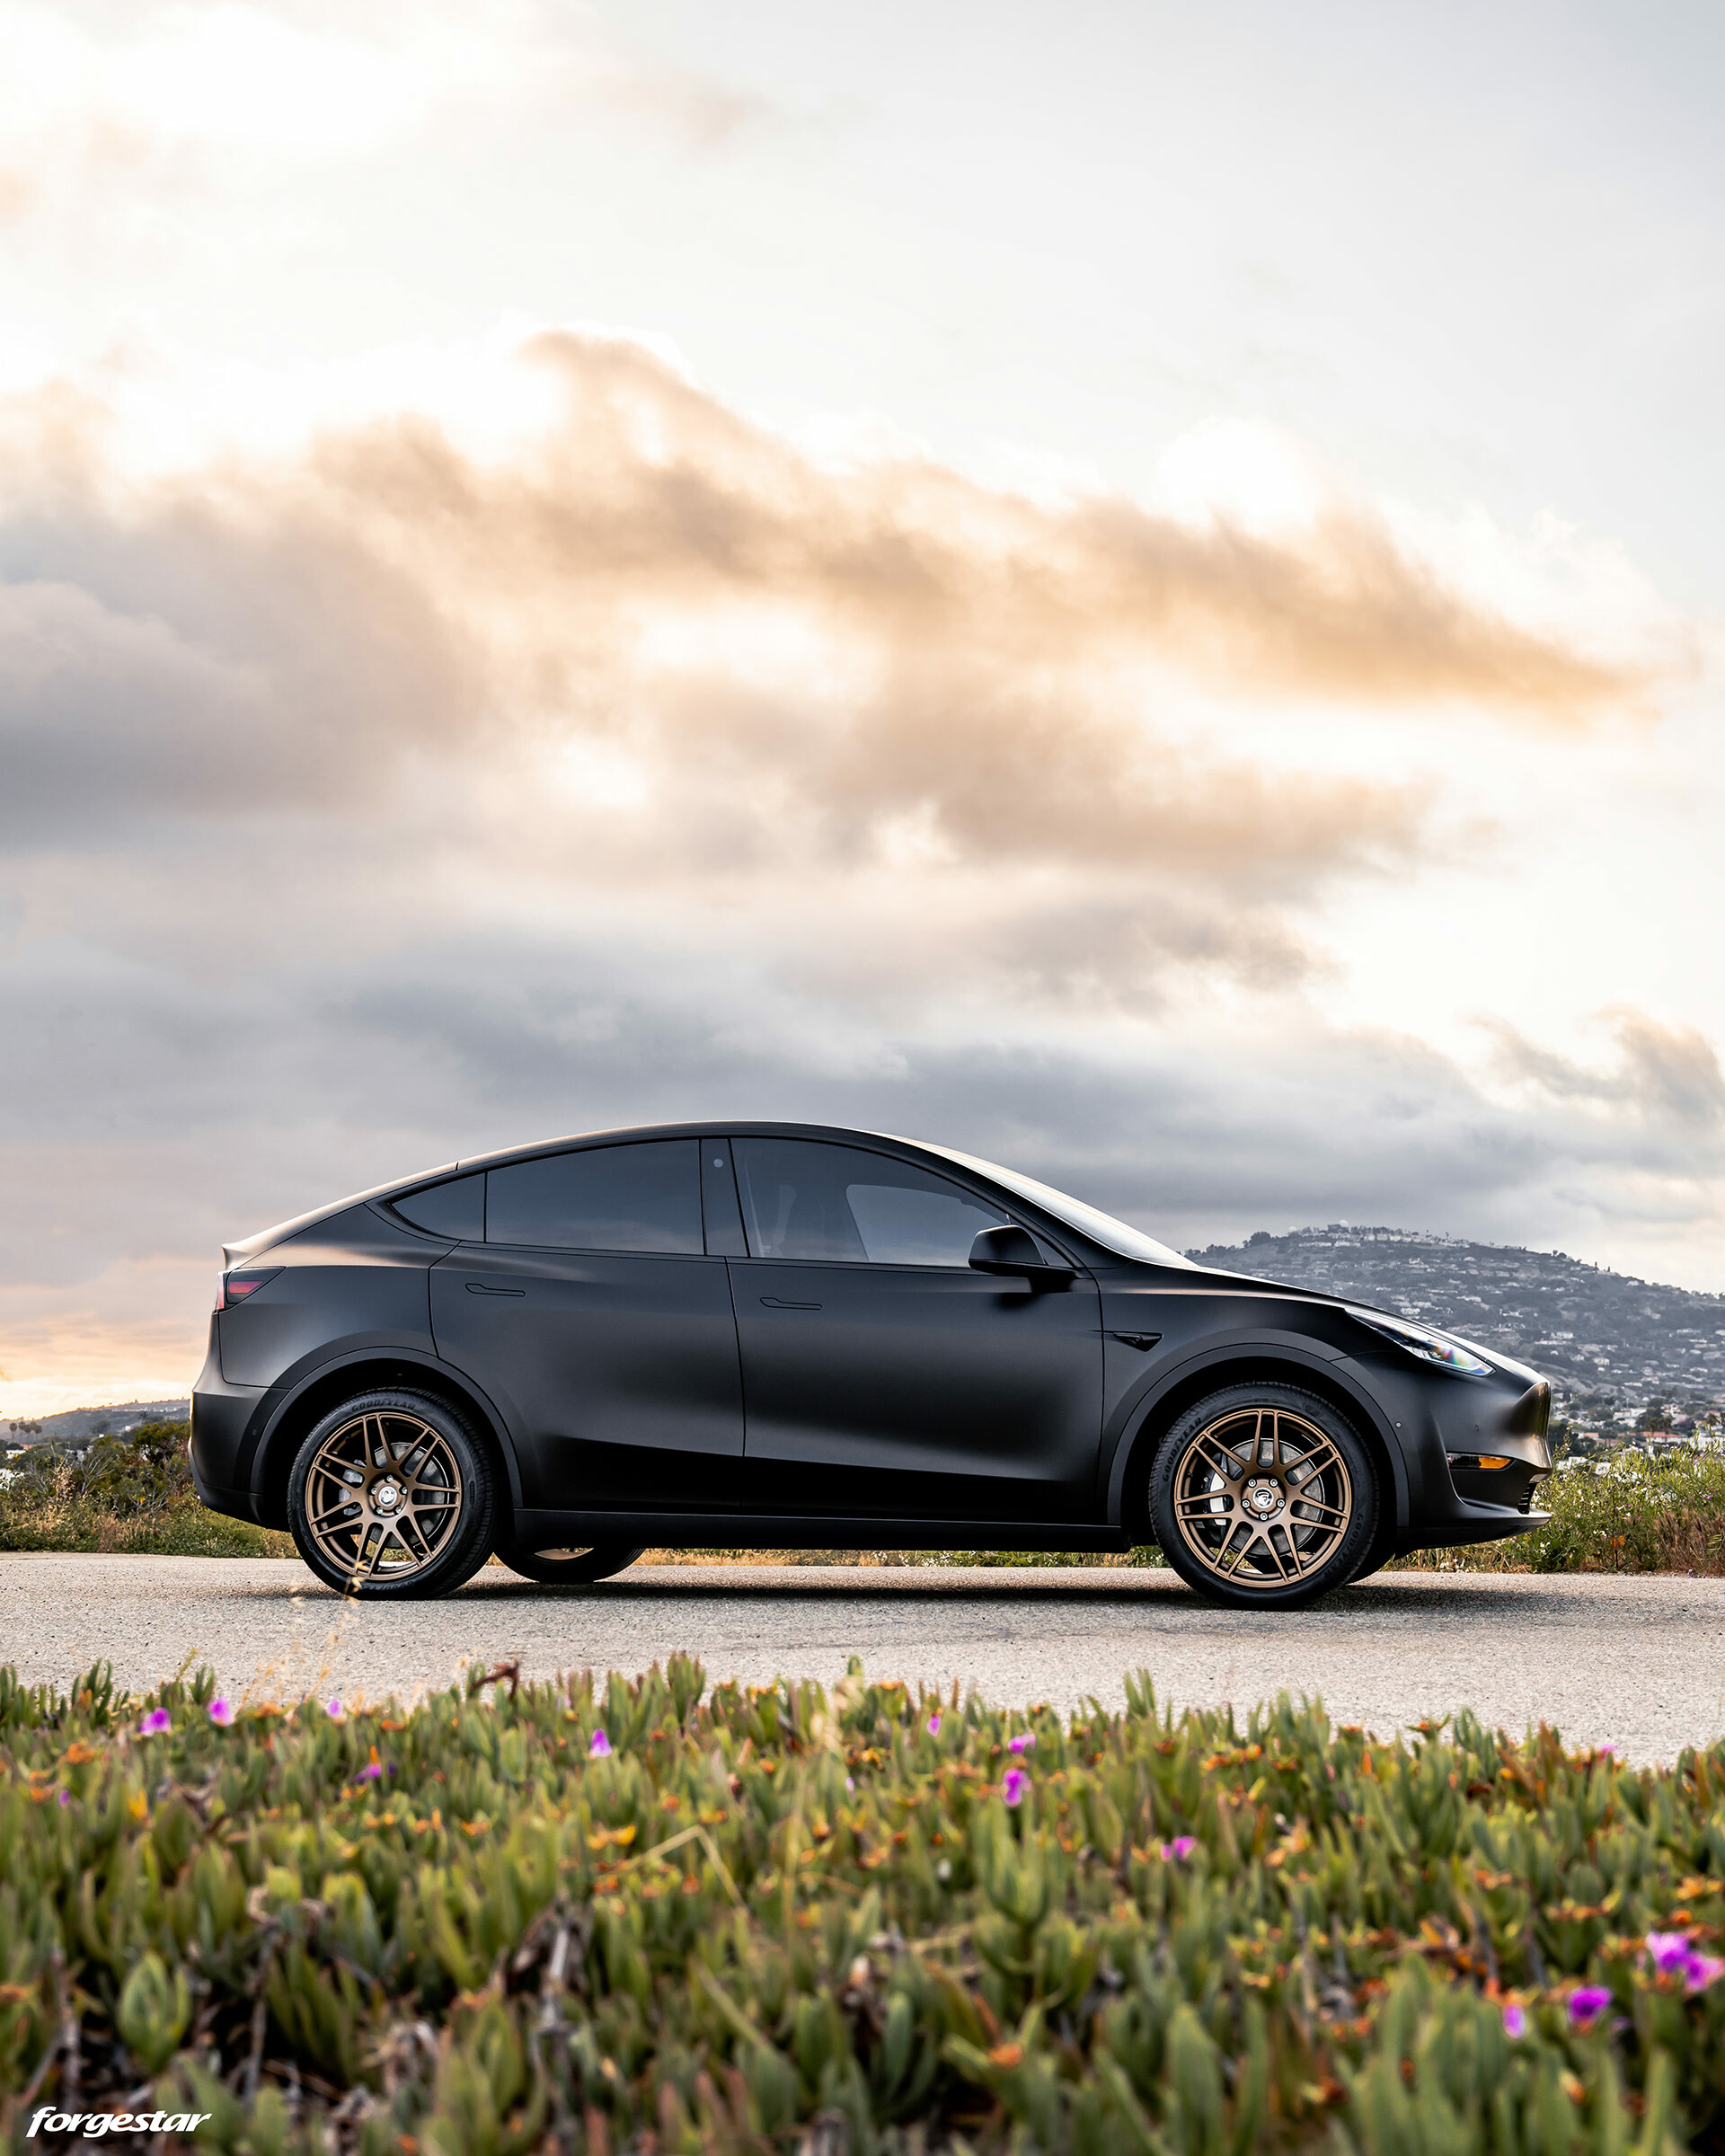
(764, 1334)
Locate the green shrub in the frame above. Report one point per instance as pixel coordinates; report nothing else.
(1640, 1516)
(131, 1493)
(631, 1916)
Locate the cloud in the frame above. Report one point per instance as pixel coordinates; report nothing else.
(416, 793)
(1667, 1077)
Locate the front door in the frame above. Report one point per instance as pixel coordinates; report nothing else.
(592, 1315)
(882, 1377)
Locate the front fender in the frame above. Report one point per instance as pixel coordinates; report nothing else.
(1297, 1355)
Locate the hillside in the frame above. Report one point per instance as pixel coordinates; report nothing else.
(1604, 1338)
(77, 1425)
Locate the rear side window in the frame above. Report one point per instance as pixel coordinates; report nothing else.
(456, 1208)
(604, 1197)
(803, 1199)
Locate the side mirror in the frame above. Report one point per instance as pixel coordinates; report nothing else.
(1007, 1249)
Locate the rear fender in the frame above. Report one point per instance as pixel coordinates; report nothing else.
(307, 1392)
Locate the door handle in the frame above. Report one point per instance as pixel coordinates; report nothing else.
(774, 1302)
(479, 1287)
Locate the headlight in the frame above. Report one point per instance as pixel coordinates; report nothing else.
(1429, 1347)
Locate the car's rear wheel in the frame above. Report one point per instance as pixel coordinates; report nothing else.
(393, 1495)
(1263, 1495)
(566, 1568)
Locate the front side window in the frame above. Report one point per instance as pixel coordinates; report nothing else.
(604, 1197)
(804, 1200)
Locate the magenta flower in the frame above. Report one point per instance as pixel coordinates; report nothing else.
(600, 1747)
(1515, 2021)
(221, 1712)
(1587, 2004)
(1025, 1741)
(1177, 1850)
(933, 1725)
(1014, 1784)
(65, 1796)
(335, 1711)
(374, 1773)
(1674, 1955)
(156, 1722)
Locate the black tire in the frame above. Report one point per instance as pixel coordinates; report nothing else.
(1383, 1545)
(424, 1503)
(567, 1568)
(1263, 1496)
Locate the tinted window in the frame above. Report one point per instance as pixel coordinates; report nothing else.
(456, 1208)
(609, 1197)
(804, 1200)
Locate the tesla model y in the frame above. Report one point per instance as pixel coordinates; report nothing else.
(764, 1334)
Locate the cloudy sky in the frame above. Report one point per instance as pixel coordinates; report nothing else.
(1134, 589)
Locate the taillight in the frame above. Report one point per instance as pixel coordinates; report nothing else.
(231, 1289)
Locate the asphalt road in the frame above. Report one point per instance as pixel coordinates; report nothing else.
(1634, 1661)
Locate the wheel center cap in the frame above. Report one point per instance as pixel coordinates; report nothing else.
(386, 1496)
(1264, 1498)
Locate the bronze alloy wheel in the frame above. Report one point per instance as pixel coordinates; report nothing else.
(392, 1495)
(383, 1495)
(1263, 1494)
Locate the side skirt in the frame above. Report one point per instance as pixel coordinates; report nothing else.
(763, 1531)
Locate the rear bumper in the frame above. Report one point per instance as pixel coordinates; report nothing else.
(221, 1415)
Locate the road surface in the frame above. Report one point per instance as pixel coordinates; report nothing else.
(1635, 1661)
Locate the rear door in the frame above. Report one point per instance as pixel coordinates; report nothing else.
(590, 1312)
(883, 1376)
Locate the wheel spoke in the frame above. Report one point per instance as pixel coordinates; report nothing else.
(1224, 1462)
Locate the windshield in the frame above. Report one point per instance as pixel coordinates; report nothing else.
(1101, 1227)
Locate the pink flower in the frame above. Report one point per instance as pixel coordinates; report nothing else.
(600, 1747)
(933, 1725)
(335, 1711)
(1025, 1741)
(1587, 2004)
(156, 1722)
(1674, 1955)
(1177, 1850)
(65, 1796)
(1014, 1784)
(1515, 2021)
(374, 1773)
(221, 1712)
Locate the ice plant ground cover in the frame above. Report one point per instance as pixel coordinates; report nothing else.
(645, 1916)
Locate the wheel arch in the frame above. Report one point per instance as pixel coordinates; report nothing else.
(367, 1371)
(1155, 1414)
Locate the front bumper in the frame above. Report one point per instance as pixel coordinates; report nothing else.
(1450, 1428)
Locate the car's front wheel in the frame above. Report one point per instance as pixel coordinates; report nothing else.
(566, 1568)
(392, 1495)
(1264, 1496)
